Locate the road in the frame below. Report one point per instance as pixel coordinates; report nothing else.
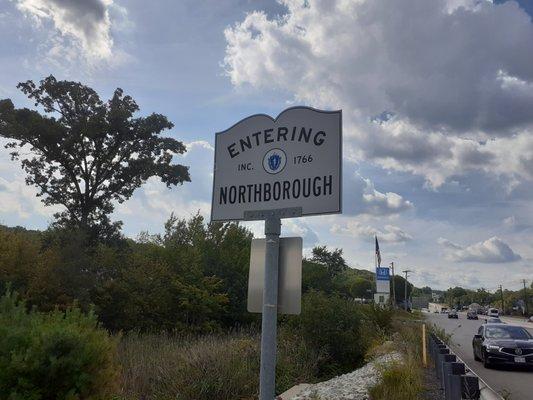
(517, 382)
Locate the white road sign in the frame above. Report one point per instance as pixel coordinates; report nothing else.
(294, 160)
(289, 277)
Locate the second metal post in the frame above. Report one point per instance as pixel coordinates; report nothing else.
(267, 377)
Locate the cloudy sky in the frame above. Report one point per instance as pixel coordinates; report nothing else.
(437, 100)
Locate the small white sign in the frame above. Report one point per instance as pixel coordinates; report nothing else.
(382, 286)
(289, 275)
(294, 160)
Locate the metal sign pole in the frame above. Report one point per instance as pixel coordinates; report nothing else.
(267, 377)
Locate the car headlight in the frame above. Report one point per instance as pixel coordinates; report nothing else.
(493, 348)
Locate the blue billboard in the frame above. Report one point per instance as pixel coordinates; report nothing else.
(382, 274)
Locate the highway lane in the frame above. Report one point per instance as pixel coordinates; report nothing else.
(516, 381)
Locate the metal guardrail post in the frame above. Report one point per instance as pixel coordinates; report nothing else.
(438, 362)
(446, 359)
(436, 350)
(451, 368)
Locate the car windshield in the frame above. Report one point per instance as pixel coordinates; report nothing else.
(507, 332)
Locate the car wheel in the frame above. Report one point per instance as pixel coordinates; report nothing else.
(486, 362)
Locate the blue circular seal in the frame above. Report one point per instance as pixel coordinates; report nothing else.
(274, 161)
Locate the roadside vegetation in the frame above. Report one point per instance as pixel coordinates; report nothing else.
(175, 303)
(403, 380)
(161, 316)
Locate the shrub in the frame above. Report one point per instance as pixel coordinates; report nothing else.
(331, 325)
(56, 355)
(297, 361)
(378, 317)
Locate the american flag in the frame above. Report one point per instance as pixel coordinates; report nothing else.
(378, 255)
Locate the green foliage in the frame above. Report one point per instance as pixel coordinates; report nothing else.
(316, 277)
(402, 380)
(331, 326)
(399, 286)
(192, 279)
(333, 260)
(361, 288)
(297, 362)
(87, 154)
(378, 317)
(211, 367)
(57, 355)
(399, 381)
(458, 296)
(222, 367)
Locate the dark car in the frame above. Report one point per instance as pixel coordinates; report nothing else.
(453, 314)
(494, 321)
(503, 344)
(471, 315)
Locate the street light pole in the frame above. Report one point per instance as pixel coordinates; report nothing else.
(406, 271)
(393, 287)
(525, 298)
(501, 295)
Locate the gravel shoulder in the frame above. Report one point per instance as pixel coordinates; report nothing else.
(350, 386)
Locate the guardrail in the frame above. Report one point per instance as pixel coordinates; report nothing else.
(455, 378)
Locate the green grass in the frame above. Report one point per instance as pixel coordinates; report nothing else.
(402, 380)
(222, 367)
(163, 367)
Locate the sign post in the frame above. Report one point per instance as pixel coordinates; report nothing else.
(269, 169)
(267, 375)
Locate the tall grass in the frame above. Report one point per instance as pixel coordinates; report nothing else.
(222, 367)
(164, 367)
(402, 380)
(331, 336)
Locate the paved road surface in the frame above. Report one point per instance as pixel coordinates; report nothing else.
(518, 382)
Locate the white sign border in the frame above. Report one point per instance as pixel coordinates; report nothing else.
(217, 134)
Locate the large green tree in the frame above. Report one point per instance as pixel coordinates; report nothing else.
(86, 154)
(332, 259)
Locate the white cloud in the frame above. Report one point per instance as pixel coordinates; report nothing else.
(456, 74)
(390, 233)
(81, 28)
(510, 222)
(361, 197)
(202, 144)
(151, 204)
(493, 250)
(289, 227)
(377, 203)
(19, 199)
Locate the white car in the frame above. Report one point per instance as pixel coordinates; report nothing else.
(493, 313)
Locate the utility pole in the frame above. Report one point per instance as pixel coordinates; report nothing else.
(393, 287)
(525, 297)
(406, 271)
(501, 294)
